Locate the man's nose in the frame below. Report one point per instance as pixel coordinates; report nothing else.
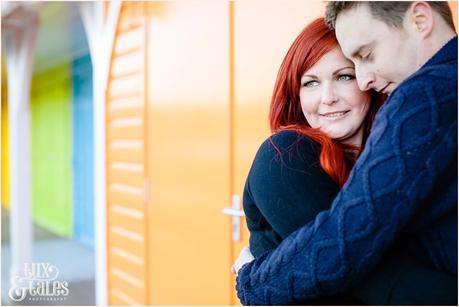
(365, 78)
(328, 93)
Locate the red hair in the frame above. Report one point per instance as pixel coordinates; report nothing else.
(314, 41)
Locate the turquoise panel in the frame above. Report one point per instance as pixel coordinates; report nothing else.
(82, 153)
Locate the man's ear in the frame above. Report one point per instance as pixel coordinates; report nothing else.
(421, 17)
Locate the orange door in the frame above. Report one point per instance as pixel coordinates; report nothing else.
(188, 145)
(187, 108)
(263, 32)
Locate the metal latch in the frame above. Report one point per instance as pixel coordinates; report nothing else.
(236, 213)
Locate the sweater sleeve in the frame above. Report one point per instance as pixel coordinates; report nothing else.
(285, 189)
(411, 145)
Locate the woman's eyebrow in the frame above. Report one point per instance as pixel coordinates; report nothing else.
(309, 76)
(334, 73)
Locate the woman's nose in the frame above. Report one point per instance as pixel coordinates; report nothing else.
(328, 94)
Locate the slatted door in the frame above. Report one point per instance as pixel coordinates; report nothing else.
(126, 161)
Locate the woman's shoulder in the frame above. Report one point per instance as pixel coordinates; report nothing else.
(289, 142)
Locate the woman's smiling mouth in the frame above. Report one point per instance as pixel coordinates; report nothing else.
(334, 114)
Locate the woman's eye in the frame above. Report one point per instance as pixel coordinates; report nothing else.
(345, 77)
(311, 83)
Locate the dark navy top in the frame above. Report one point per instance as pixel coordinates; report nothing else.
(403, 187)
(285, 189)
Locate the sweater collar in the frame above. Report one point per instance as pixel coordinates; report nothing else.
(446, 54)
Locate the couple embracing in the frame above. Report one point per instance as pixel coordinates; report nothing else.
(353, 199)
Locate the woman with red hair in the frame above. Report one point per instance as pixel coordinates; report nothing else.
(295, 92)
(320, 121)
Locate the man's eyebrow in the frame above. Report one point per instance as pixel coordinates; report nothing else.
(357, 52)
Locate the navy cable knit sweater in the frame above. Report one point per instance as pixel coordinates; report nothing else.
(405, 182)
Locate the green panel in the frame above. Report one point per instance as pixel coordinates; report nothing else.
(51, 150)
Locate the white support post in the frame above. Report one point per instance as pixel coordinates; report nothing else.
(101, 35)
(19, 45)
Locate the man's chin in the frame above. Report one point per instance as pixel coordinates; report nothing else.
(389, 88)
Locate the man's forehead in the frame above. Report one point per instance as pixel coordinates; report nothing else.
(356, 13)
(354, 29)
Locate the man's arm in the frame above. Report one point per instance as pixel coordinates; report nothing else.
(411, 145)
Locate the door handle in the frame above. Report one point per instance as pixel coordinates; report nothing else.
(236, 213)
(233, 212)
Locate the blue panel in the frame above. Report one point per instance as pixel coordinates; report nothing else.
(82, 152)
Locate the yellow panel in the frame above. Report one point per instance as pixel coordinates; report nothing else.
(188, 133)
(5, 160)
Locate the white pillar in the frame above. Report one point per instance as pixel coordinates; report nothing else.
(101, 35)
(19, 45)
